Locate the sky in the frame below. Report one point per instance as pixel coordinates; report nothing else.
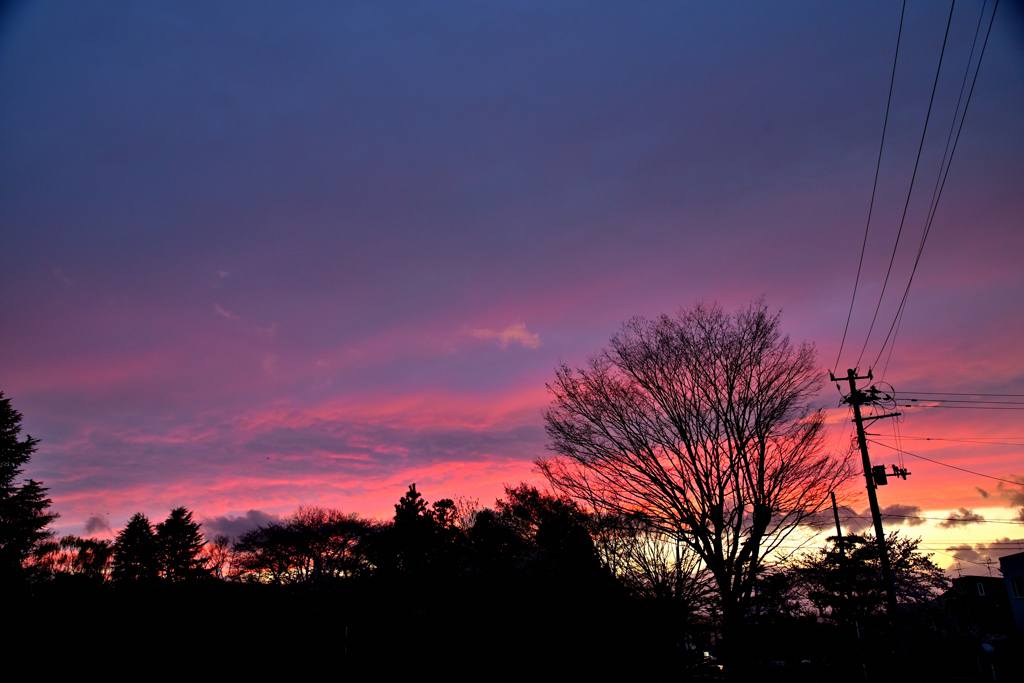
(263, 255)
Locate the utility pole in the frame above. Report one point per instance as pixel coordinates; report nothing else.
(839, 529)
(842, 580)
(856, 399)
(874, 477)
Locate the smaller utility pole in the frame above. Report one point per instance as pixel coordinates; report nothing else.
(839, 529)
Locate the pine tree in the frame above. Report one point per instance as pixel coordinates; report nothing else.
(414, 531)
(411, 509)
(180, 544)
(135, 552)
(23, 508)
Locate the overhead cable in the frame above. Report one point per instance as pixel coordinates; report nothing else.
(874, 185)
(945, 175)
(913, 177)
(938, 462)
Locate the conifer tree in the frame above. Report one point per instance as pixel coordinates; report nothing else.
(180, 544)
(414, 531)
(135, 552)
(23, 508)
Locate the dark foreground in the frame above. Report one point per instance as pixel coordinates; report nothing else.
(376, 630)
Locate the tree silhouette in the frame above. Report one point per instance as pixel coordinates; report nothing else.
(23, 508)
(651, 564)
(413, 533)
(411, 509)
(702, 426)
(325, 543)
(313, 544)
(74, 556)
(845, 583)
(218, 556)
(554, 527)
(265, 555)
(136, 557)
(446, 520)
(180, 547)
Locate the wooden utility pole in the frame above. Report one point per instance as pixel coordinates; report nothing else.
(839, 529)
(856, 399)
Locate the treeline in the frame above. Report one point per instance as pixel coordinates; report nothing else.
(534, 571)
(527, 531)
(534, 583)
(448, 582)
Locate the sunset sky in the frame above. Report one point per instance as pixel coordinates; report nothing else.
(262, 255)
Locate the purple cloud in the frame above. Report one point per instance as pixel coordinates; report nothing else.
(234, 526)
(97, 525)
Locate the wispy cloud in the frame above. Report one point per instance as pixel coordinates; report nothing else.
(226, 314)
(513, 334)
(268, 331)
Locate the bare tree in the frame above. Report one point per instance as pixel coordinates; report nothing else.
(649, 562)
(702, 425)
(466, 510)
(217, 556)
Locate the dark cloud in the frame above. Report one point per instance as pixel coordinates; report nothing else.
(961, 517)
(981, 556)
(982, 492)
(854, 522)
(97, 524)
(965, 553)
(908, 514)
(1013, 495)
(824, 520)
(859, 522)
(233, 527)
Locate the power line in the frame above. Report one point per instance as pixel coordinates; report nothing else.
(988, 544)
(934, 200)
(962, 407)
(874, 185)
(937, 462)
(945, 175)
(981, 440)
(910, 191)
(961, 400)
(981, 545)
(953, 393)
(939, 519)
(958, 559)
